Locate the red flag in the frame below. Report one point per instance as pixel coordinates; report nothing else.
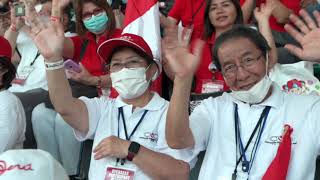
(279, 166)
(142, 18)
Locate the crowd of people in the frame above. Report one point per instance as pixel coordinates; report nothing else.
(68, 74)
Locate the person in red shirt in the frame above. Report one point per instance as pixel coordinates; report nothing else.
(189, 13)
(95, 24)
(280, 15)
(220, 16)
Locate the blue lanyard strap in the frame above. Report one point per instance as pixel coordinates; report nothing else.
(125, 126)
(120, 113)
(246, 165)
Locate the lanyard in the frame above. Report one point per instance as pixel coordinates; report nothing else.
(246, 165)
(120, 113)
(35, 58)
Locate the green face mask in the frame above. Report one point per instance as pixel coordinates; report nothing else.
(97, 24)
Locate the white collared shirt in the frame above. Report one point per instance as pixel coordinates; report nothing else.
(103, 122)
(12, 122)
(212, 124)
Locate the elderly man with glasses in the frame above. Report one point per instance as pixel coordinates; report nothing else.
(256, 131)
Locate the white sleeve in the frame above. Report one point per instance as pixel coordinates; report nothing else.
(200, 125)
(315, 123)
(11, 130)
(186, 155)
(94, 107)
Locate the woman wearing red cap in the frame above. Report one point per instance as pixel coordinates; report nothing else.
(12, 117)
(128, 131)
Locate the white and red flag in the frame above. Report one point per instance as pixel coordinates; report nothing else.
(142, 18)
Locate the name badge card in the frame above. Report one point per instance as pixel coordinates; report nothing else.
(23, 75)
(116, 173)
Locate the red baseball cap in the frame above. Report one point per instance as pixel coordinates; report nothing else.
(5, 48)
(127, 40)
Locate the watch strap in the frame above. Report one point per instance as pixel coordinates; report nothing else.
(133, 150)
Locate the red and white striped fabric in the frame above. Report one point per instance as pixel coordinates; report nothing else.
(142, 18)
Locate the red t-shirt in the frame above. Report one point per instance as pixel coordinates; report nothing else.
(203, 73)
(91, 60)
(294, 5)
(184, 10)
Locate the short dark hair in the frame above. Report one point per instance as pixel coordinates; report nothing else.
(209, 28)
(240, 31)
(7, 78)
(148, 59)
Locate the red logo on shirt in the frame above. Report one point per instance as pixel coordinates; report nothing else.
(4, 168)
(153, 137)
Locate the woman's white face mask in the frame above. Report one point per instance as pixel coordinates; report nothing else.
(130, 83)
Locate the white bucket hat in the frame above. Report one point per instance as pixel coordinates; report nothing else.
(30, 164)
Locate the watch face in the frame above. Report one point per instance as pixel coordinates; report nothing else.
(133, 150)
(134, 147)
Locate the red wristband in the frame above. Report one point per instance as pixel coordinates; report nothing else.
(55, 18)
(13, 28)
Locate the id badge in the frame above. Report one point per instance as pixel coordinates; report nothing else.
(19, 81)
(211, 86)
(25, 72)
(117, 173)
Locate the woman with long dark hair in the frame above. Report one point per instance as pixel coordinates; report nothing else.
(220, 16)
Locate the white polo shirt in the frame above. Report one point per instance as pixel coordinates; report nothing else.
(103, 122)
(12, 122)
(212, 124)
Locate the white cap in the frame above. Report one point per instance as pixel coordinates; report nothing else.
(32, 164)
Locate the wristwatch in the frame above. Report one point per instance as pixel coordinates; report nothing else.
(133, 150)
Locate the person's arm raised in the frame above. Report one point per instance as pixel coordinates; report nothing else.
(183, 65)
(307, 34)
(281, 13)
(49, 39)
(12, 32)
(262, 16)
(247, 9)
(56, 13)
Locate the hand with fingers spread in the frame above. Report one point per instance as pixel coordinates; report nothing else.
(181, 61)
(111, 146)
(307, 34)
(262, 16)
(48, 37)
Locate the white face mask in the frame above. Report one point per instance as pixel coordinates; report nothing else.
(256, 93)
(130, 83)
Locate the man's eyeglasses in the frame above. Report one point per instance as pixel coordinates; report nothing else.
(88, 15)
(117, 66)
(247, 63)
